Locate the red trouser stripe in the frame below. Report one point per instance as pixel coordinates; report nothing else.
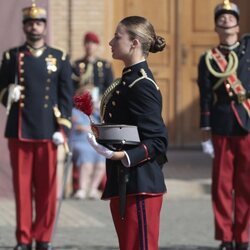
(34, 178)
(230, 188)
(139, 230)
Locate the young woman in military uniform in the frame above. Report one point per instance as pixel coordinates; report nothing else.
(135, 99)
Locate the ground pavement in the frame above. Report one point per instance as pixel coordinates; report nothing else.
(186, 219)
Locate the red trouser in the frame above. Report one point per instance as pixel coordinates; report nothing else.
(34, 176)
(140, 228)
(231, 188)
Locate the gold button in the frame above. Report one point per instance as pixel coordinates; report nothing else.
(124, 83)
(21, 104)
(230, 93)
(21, 70)
(46, 97)
(228, 86)
(48, 80)
(110, 115)
(21, 63)
(22, 96)
(21, 54)
(113, 103)
(47, 88)
(117, 92)
(45, 105)
(99, 64)
(81, 65)
(21, 79)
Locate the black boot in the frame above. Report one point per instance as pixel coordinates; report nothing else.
(43, 246)
(226, 246)
(21, 246)
(242, 246)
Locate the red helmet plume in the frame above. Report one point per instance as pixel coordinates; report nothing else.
(84, 103)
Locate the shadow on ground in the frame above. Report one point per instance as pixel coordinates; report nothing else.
(70, 247)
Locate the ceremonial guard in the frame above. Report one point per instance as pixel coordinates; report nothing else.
(36, 89)
(135, 181)
(224, 83)
(94, 74)
(91, 71)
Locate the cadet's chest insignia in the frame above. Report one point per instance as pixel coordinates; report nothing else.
(51, 63)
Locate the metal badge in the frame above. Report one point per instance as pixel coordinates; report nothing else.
(51, 63)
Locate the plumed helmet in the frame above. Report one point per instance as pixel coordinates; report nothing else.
(226, 7)
(33, 12)
(91, 37)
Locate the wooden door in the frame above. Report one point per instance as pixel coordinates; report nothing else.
(188, 26)
(195, 34)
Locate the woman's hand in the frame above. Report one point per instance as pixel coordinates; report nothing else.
(109, 154)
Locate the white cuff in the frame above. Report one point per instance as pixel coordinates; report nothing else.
(206, 128)
(126, 161)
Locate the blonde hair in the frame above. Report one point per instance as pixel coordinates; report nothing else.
(140, 28)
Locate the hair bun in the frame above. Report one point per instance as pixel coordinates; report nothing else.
(158, 44)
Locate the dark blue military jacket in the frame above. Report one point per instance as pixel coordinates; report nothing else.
(216, 105)
(47, 82)
(137, 101)
(101, 77)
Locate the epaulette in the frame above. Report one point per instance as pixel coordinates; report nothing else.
(144, 76)
(12, 51)
(245, 36)
(64, 54)
(7, 55)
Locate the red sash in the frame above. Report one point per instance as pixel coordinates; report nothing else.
(233, 80)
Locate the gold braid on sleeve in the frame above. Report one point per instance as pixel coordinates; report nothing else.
(107, 95)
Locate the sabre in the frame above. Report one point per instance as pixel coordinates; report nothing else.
(67, 165)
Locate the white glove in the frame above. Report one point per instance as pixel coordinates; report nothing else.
(207, 148)
(14, 92)
(99, 148)
(58, 138)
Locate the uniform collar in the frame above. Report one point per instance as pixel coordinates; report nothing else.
(36, 52)
(135, 67)
(93, 60)
(228, 48)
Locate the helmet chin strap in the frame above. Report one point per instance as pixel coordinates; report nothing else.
(226, 28)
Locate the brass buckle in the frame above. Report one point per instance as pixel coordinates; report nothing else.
(241, 98)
